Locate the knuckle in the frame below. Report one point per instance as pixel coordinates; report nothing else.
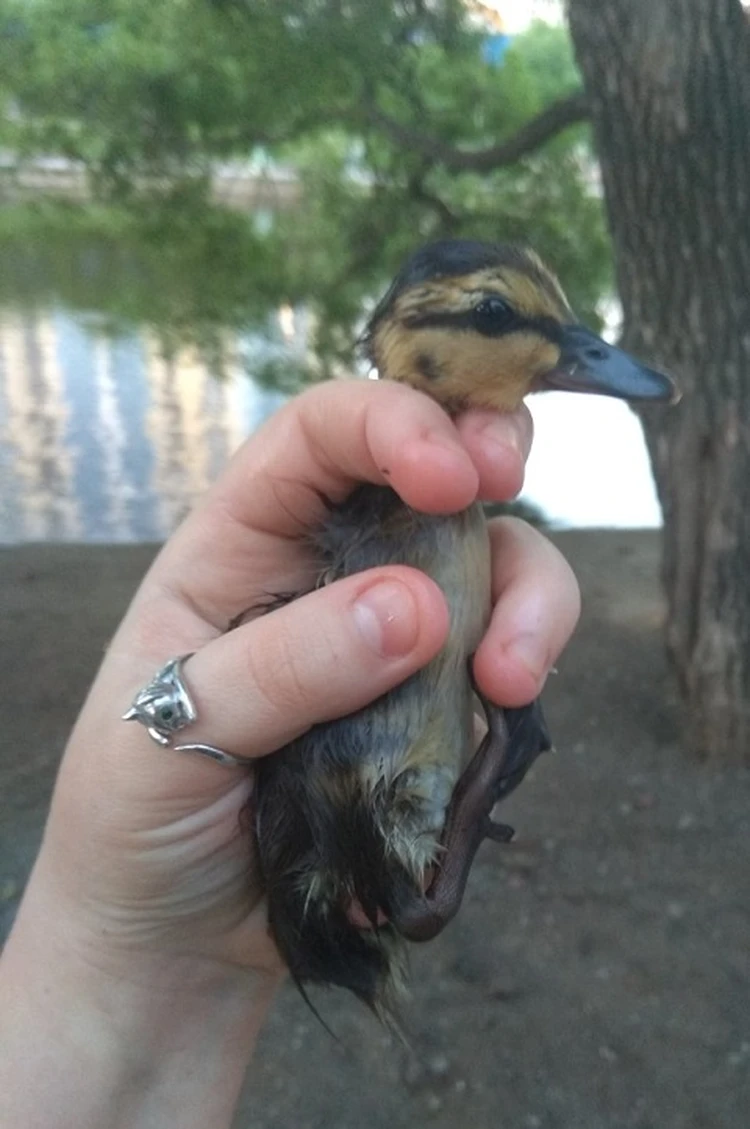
(530, 554)
(280, 672)
(507, 528)
(526, 429)
(568, 581)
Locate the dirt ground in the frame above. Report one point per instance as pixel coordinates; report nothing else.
(598, 976)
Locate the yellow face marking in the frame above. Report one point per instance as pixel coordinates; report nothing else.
(469, 369)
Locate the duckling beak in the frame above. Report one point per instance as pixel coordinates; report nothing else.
(589, 364)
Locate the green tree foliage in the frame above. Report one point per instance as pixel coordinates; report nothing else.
(175, 265)
(398, 128)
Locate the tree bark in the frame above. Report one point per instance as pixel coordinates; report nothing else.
(668, 85)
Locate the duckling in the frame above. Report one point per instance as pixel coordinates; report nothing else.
(367, 826)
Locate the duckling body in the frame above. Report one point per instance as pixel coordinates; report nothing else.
(351, 814)
(425, 726)
(367, 826)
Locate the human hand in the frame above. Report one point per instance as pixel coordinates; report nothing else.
(145, 876)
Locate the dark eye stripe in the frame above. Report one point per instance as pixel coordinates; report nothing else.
(443, 319)
(465, 320)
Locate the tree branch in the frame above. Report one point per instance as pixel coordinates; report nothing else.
(557, 117)
(449, 220)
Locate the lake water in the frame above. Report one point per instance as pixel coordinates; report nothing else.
(104, 439)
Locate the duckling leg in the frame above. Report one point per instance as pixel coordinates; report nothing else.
(514, 739)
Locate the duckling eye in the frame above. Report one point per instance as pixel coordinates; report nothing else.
(492, 316)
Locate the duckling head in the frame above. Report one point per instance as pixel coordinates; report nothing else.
(482, 325)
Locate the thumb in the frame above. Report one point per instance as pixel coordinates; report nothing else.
(325, 655)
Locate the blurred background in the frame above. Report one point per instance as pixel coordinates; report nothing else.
(166, 271)
(200, 200)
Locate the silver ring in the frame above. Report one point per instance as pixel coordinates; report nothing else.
(164, 706)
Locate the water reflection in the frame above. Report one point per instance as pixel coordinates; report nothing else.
(103, 438)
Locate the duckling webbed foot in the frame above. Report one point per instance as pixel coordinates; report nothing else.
(514, 740)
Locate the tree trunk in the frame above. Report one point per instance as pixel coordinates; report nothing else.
(669, 87)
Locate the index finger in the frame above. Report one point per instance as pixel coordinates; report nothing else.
(245, 539)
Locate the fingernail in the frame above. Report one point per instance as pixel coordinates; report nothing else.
(386, 617)
(503, 431)
(529, 651)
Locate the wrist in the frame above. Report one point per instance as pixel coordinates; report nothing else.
(145, 1041)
